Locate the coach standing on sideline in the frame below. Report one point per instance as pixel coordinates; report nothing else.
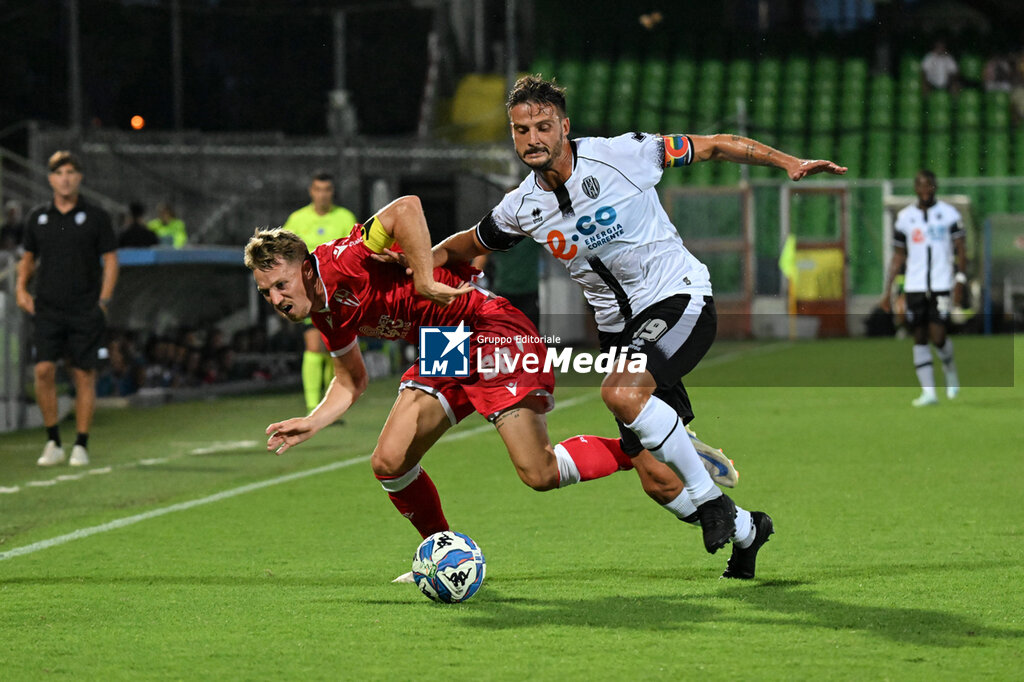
(67, 238)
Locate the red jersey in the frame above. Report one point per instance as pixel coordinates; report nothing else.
(368, 298)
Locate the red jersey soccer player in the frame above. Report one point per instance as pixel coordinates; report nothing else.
(349, 293)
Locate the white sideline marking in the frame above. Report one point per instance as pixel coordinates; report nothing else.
(181, 506)
(234, 492)
(8, 491)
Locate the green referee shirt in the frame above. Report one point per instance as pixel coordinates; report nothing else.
(316, 229)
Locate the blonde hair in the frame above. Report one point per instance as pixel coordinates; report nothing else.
(268, 245)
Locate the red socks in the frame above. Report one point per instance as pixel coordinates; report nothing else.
(416, 498)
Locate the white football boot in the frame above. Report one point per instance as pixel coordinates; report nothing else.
(925, 399)
(720, 467)
(53, 455)
(79, 456)
(405, 578)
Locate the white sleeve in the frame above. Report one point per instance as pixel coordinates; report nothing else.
(640, 157)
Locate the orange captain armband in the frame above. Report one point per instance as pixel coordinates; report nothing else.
(374, 236)
(678, 150)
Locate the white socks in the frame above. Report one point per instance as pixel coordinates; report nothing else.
(568, 473)
(662, 433)
(743, 533)
(923, 367)
(948, 364)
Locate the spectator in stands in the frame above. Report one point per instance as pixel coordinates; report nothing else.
(998, 74)
(318, 223)
(168, 227)
(65, 242)
(135, 231)
(12, 229)
(939, 70)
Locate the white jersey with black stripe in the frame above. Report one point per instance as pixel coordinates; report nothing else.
(607, 226)
(928, 235)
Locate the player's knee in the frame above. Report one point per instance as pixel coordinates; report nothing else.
(386, 463)
(540, 479)
(625, 402)
(45, 371)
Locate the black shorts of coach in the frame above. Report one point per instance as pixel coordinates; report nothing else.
(674, 334)
(928, 307)
(76, 335)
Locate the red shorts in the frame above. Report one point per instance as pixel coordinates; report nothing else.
(503, 340)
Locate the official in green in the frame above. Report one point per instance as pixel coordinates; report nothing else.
(318, 223)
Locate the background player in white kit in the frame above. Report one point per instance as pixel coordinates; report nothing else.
(926, 237)
(592, 203)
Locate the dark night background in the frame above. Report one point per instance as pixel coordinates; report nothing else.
(247, 66)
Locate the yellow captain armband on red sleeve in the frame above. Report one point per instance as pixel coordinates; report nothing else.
(678, 150)
(374, 236)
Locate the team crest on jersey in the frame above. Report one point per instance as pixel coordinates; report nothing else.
(591, 187)
(538, 216)
(346, 297)
(386, 328)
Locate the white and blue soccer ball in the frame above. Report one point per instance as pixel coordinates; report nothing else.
(448, 567)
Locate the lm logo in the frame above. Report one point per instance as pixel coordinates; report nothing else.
(444, 351)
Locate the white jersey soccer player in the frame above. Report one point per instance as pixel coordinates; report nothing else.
(607, 226)
(928, 239)
(592, 203)
(928, 235)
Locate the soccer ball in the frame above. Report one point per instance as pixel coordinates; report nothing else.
(448, 567)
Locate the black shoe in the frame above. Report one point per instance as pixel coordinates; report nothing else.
(717, 522)
(743, 561)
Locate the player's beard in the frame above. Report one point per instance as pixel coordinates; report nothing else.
(549, 160)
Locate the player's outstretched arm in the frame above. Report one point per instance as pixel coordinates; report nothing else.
(350, 379)
(461, 247)
(739, 149)
(403, 220)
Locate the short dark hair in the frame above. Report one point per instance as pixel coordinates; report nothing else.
(536, 90)
(927, 175)
(323, 176)
(136, 209)
(63, 157)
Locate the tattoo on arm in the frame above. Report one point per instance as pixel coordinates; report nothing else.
(750, 151)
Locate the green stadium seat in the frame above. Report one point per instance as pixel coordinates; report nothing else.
(968, 110)
(997, 154)
(850, 154)
(544, 64)
(569, 74)
(728, 174)
(878, 161)
(648, 120)
(825, 70)
(654, 79)
(909, 111)
(741, 70)
(908, 154)
(625, 90)
(939, 153)
(851, 113)
(938, 114)
(855, 76)
(700, 174)
(594, 99)
(971, 67)
(997, 111)
(910, 68)
(822, 117)
(764, 117)
(882, 84)
(1018, 152)
(711, 70)
(881, 111)
(792, 119)
(967, 158)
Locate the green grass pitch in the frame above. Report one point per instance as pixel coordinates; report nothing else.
(898, 552)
